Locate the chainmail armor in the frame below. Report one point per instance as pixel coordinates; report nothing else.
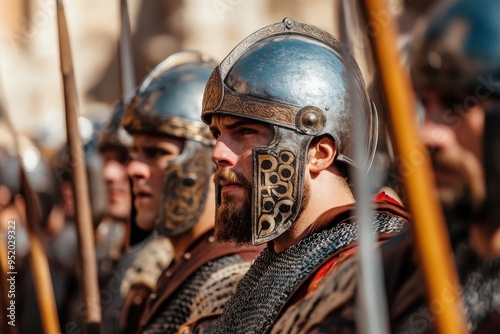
(217, 290)
(263, 291)
(111, 298)
(177, 309)
(479, 279)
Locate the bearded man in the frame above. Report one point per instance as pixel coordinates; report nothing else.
(282, 106)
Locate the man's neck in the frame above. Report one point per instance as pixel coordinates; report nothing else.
(320, 201)
(181, 242)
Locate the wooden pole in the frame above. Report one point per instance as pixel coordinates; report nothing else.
(38, 259)
(127, 76)
(83, 216)
(431, 237)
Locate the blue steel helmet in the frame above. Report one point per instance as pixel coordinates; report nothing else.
(458, 52)
(168, 102)
(304, 82)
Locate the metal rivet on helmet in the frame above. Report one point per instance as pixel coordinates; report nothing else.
(311, 120)
(289, 22)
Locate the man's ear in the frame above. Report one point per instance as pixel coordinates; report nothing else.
(322, 153)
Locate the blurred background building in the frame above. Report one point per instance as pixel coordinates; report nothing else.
(30, 80)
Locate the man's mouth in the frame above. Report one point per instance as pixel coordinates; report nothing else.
(444, 174)
(115, 193)
(227, 186)
(142, 194)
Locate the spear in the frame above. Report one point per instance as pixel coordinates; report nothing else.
(372, 316)
(38, 260)
(128, 86)
(431, 237)
(83, 214)
(127, 77)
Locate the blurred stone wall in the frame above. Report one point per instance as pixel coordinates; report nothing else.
(30, 80)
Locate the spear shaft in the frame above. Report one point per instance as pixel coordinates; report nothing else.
(429, 228)
(38, 259)
(127, 75)
(83, 216)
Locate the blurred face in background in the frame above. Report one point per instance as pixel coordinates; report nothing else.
(117, 182)
(453, 136)
(149, 157)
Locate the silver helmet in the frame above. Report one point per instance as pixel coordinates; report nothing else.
(168, 102)
(304, 82)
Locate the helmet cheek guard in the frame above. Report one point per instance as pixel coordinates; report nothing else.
(278, 174)
(185, 187)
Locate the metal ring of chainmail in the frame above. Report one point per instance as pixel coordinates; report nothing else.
(273, 276)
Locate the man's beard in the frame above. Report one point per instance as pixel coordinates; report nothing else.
(460, 202)
(233, 223)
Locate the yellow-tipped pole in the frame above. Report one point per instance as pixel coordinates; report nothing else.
(83, 215)
(432, 239)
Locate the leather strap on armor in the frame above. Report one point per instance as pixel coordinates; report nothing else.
(203, 251)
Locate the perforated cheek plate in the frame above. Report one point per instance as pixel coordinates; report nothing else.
(278, 178)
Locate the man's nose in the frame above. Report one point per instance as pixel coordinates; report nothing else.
(137, 169)
(222, 155)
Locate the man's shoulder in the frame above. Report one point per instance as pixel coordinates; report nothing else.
(329, 297)
(209, 263)
(335, 292)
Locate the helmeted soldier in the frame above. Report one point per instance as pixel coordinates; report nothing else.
(118, 239)
(171, 174)
(113, 144)
(455, 73)
(281, 106)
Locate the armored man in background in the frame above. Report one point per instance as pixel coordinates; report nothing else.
(172, 178)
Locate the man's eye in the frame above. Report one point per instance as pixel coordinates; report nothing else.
(216, 134)
(246, 131)
(124, 157)
(154, 152)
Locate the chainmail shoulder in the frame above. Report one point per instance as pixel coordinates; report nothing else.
(111, 298)
(217, 290)
(263, 291)
(148, 263)
(337, 288)
(176, 310)
(480, 282)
